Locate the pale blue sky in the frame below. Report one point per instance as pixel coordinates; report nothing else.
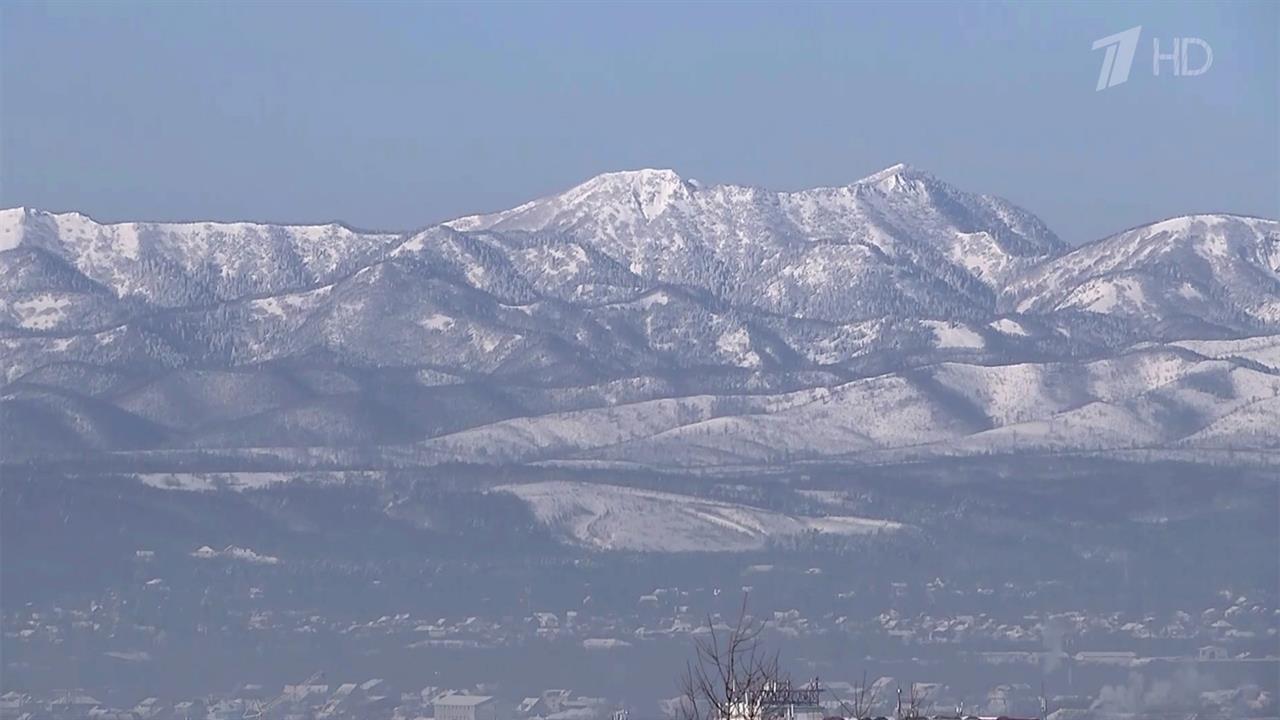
(396, 115)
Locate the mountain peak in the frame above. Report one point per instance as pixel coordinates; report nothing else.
(11, 220)
(895, 175)
(643, 175)
(660, 182)
(640, 195)
(896, 169)
(648, 192)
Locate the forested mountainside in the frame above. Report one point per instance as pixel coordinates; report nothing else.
(644, 318)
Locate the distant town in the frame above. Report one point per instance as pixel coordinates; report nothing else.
(1214, 651)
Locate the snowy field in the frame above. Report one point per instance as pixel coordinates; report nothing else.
(610, 517)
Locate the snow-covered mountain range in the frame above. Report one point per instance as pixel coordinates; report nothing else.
(641, 317)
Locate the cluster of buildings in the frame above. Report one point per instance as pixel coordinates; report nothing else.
(884, 699)
(1237, 626)
(315, 699)
(1234, 641)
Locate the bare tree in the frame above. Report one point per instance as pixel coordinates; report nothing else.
(731, 676)
(863, 702)
(913, 707)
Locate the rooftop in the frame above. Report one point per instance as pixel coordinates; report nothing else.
(463, 700)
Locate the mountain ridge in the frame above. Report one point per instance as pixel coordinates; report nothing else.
(638, 287)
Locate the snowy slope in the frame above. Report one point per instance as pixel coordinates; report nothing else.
(610, 517)
(641, 317)
(173, 264)
(1264, 350)
(1187, 273)
(1142, 399)
(897, 238)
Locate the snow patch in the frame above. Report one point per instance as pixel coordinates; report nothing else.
(611, 517)
(11, 227)
(955, 335)
(436, 322)
(736, 346)
(1009, 327)
(41, 312)
(235, 552)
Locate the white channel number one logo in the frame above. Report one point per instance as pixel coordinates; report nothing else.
(1120, 49)
(1119, 58)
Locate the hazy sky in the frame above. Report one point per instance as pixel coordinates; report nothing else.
(396, 115)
